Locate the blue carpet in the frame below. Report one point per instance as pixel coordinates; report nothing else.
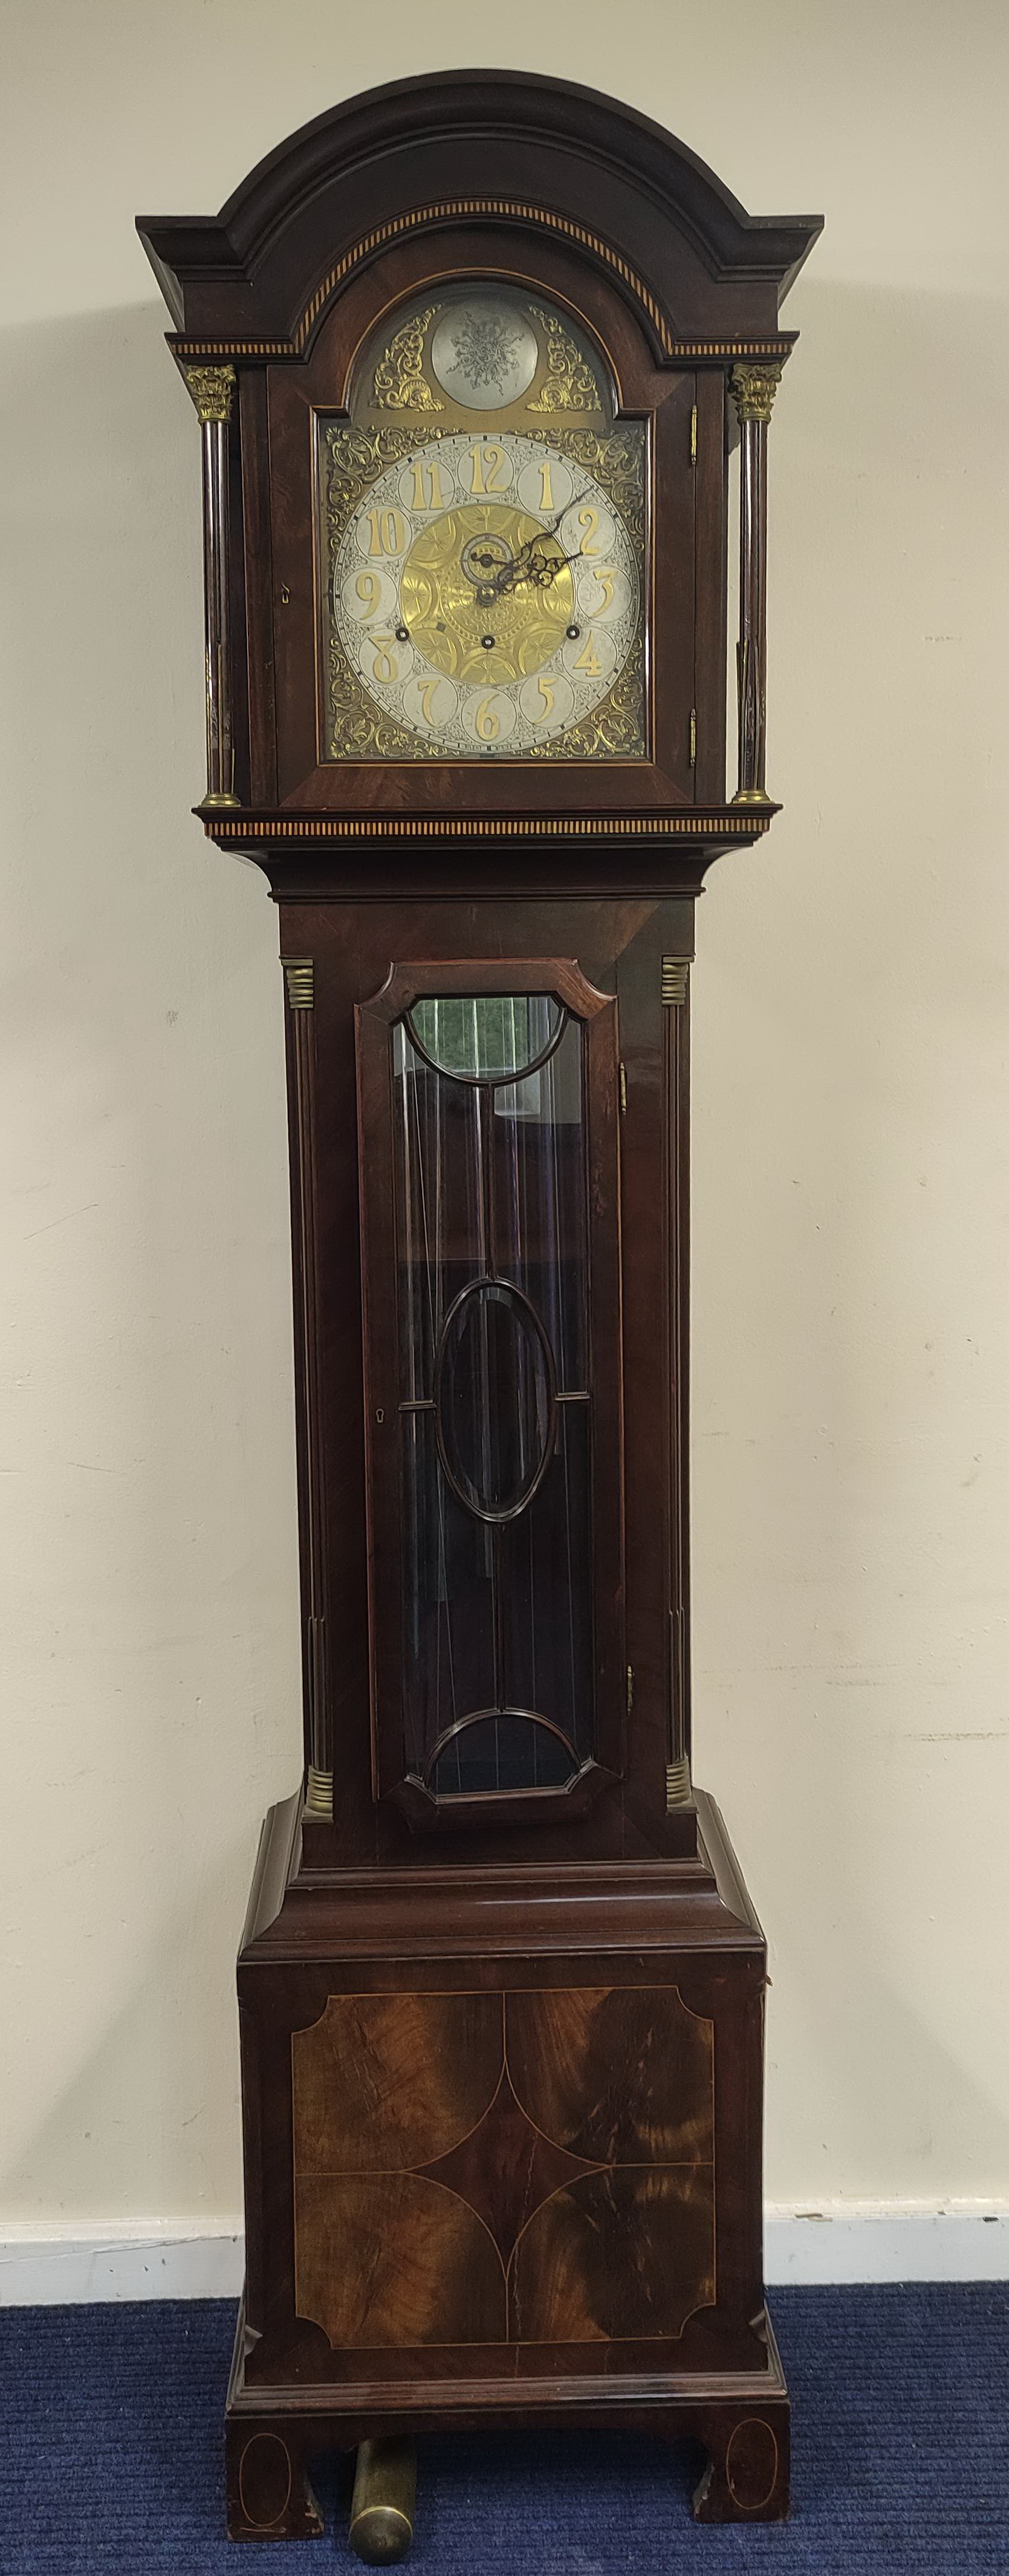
(111, 2456)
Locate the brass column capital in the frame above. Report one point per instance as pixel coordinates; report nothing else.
(754, 389)
(300, 974)
(212, 390)
(675, 981)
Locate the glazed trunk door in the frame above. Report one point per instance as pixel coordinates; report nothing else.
(489, 1184)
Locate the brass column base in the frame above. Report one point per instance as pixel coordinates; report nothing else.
(385, 2489)
(319, 1793)
(679, 1792)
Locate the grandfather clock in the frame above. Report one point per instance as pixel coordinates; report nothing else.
(470, 356)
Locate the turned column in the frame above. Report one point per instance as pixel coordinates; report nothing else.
(212, 390)
(753, 392)
(300, 978)
(676, 1053)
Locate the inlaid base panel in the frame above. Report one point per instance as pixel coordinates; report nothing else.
(530, 2168)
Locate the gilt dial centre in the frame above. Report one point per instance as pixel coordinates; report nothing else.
(486, 551)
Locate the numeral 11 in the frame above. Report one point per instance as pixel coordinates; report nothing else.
(427, 491)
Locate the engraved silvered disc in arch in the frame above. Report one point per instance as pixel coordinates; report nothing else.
(484, 351)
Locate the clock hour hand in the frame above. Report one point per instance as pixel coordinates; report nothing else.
(524, 568)
(519, 569)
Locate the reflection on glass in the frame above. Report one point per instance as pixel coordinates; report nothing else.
(499, 1752)
(485, 1035)
(494, 1402)
(544, 1589)
(539, 1198)
(495, 1408)
(448, 1622)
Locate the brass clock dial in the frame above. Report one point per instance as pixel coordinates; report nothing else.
(487, 593)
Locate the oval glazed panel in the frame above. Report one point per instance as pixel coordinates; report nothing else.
(494, 1400)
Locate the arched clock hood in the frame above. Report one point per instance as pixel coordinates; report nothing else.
(542, 154)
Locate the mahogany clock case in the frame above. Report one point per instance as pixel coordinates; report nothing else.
(501, 1985)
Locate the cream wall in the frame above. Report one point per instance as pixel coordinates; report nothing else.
(852, 1118)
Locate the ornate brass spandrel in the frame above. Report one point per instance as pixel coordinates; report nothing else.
(399, 374)
(359, 730)
(356, 459)
(617, 462)
(615, 730)
(400, 380)
(754, 389)
(571, 383)
(212, 390)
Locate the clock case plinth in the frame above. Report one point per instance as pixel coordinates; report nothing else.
(671, 1946)
(502, 2084)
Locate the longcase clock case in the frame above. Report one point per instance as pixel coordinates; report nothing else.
(501, 1985)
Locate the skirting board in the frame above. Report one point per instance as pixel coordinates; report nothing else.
(56, 2266)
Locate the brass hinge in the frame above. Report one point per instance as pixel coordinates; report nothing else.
(693, 737)
(623, 1087)
(675, 971)
(693, 435)
(630, 1688)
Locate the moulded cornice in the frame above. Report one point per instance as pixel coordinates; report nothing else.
(254, 267)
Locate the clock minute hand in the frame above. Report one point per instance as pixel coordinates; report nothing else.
(518, 570)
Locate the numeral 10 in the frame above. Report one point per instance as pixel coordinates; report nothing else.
(386, 532)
